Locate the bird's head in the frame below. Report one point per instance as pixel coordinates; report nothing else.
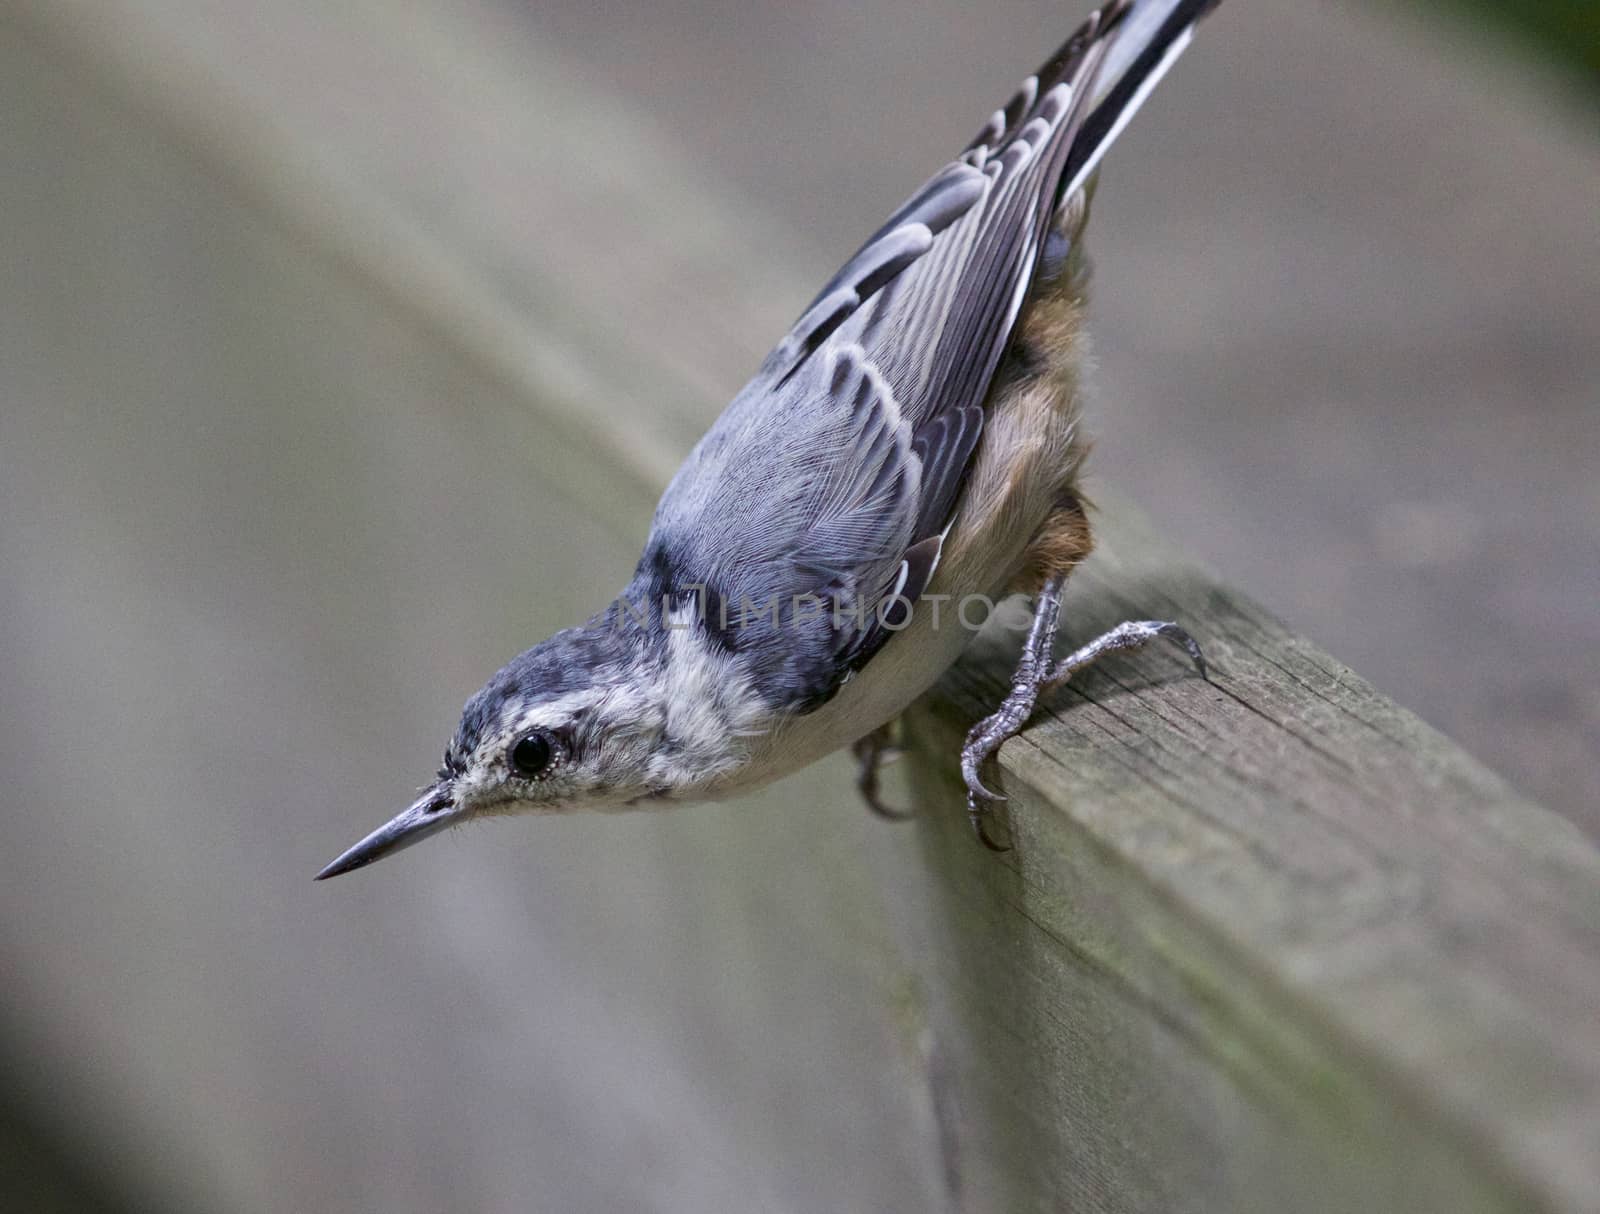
(574, 723)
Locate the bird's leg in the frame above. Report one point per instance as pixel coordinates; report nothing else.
(1035, 675)
(874, 752)
(986, 736)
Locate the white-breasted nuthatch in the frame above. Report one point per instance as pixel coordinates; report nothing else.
(914, 441)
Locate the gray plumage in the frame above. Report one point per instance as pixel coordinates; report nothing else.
(793, 546)
(836, 469)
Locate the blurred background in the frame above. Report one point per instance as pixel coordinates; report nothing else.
(311, 317)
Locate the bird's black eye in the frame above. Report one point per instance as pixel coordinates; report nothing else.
(533, 755)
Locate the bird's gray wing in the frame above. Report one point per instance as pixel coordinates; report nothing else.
(835, 473)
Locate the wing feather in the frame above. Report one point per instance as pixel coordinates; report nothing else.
(837, 470)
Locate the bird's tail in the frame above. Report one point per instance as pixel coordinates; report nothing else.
(1110, 64)
(1143, 38)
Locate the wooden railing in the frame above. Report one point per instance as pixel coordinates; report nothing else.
(1268, 942)
(1265, 942)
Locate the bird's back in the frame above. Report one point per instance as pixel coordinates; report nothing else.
(831, 480)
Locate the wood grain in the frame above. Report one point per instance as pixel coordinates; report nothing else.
(1266, 943)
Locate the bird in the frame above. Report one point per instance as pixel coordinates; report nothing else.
(914, 441)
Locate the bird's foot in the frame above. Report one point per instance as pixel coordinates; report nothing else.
(874, 752)
(986, 737)
(1135, 634)
(1034, 677)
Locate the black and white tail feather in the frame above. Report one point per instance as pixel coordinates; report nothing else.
(873, 404)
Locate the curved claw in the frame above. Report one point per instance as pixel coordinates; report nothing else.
(975, 786)
(887, 812)
(981, 743)
(972, 755)
(1181, 637)
(874, 753)
(978, 816)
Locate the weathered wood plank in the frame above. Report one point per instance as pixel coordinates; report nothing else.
(1263, 944)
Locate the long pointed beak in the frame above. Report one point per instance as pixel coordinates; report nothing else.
(432, 812)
